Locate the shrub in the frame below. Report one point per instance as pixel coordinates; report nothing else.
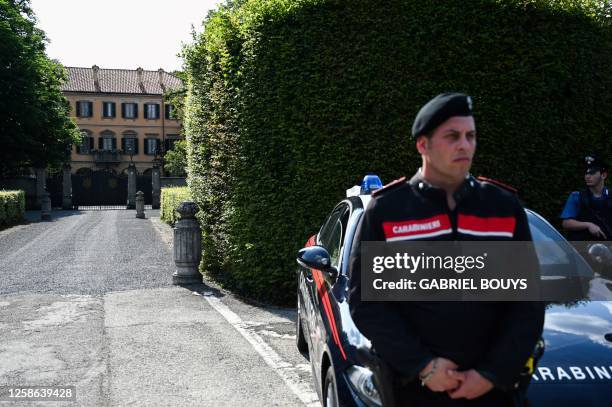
(12, 207)
(291, 102)
(170, 199)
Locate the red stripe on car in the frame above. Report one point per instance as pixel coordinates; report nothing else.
(318, 276)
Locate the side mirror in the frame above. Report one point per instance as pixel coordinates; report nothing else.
(317, 257)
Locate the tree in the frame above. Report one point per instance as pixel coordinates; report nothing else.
(176, 159)
(35, 127)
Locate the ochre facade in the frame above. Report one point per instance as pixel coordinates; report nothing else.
(85, 86)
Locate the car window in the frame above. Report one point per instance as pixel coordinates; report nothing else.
(332, 233)
(543, 237)
(557, 257)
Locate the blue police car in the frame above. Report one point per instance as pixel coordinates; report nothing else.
(575, 369)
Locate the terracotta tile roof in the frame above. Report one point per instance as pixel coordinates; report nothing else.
(137, 81)
(79, 80)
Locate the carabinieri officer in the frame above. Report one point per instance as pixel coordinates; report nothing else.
(587, 214)
(447, 353)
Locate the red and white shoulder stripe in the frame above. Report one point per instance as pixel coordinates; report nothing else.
(486, 226)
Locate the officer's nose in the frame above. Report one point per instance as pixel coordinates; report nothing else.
(463, 143)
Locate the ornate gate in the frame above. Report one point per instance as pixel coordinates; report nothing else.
(98, 189)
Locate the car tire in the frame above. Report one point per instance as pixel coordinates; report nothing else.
(300, 339)
(330, 390)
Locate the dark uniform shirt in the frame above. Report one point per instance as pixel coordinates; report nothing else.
(494, 338)
(584, 207)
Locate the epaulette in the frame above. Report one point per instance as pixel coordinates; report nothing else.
(499, 184)
(390, 185)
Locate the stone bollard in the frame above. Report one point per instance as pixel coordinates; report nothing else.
(140, 205)
(187, 245)
(45, 206)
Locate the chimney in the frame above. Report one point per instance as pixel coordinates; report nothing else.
(140, 81)
(161, 79)
(96, 78)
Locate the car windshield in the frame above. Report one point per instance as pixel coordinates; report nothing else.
(556, 255)
(562, 266)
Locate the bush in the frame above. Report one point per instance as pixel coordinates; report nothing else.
(170, 199)
(12, 207)
(291, 102)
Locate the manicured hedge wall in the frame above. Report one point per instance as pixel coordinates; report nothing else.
(12, 207)
(171, 197)
(292, 102)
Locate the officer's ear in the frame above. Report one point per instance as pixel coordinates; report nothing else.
(422, 144)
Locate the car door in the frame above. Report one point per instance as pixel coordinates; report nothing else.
(331, 237)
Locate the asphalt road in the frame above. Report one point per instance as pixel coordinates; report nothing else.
(86, 300)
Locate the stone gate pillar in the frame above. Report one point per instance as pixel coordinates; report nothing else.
(41, 185)
(156, 187)
(67, 188)
(131, 200)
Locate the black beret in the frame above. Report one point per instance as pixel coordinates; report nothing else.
(439, 109)
(594, 164)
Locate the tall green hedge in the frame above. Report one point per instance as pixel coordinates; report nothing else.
(292, 102)
(12, 207)
(170, 199)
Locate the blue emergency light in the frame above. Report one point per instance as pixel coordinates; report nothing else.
(370, 183)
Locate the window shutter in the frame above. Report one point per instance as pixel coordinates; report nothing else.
(90, 109)
(114, 143)
(167, 111)
(145, 113)
(136, 145)
(91, 144)
(123, 110)
(135, 110)
(167, 145)
(123, 144)
(100, 143)
(113, 114)
(157, 111)
(157, 145)
(78, 109)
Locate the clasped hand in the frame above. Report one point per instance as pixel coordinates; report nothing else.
(467, 384)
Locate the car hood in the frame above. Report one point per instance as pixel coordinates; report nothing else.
(580, 335)
(576, 368)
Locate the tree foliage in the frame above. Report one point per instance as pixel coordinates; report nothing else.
(291, 102)
(35, 127)
(176, 159)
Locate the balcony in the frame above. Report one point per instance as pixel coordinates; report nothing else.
(107, 156)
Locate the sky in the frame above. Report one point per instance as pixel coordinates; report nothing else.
(120, 33)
